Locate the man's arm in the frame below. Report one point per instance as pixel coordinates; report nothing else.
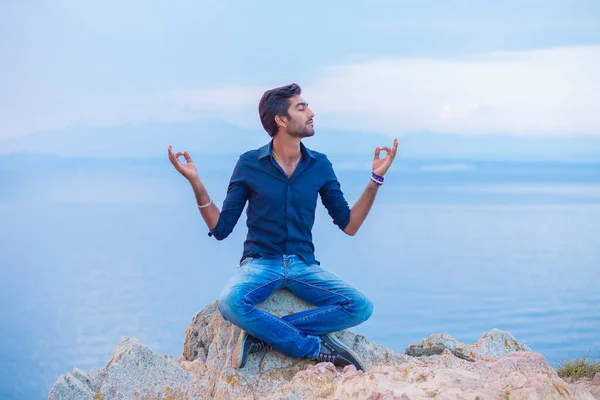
(360, 210)
(220, 224)
(211, 213)
(233, 205)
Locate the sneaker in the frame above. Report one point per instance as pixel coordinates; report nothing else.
(248, 344)
(333, 351)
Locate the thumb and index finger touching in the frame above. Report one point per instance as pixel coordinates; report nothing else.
(388, 152)
(185, 155)
(174, 157)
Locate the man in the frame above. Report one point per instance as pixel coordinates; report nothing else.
(281, 182)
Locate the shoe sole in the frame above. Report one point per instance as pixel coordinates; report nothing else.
(236, 358)
(338, 343)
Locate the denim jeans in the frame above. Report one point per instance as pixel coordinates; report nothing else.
(339, 305)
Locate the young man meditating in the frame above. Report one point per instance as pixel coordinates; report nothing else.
(281, 182)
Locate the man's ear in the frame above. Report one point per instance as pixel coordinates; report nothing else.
(281, 121)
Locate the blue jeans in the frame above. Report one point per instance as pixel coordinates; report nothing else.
(339, 305)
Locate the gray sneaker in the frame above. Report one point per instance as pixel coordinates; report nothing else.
(248, 344)
(333, 351)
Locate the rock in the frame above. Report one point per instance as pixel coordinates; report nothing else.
(434, 344)
(133, 371)
(591, 385)
(72, 387)
(493, 344)
(519, 376)
(439, 367)
(208, 325)
(134, 368)
(211, 340)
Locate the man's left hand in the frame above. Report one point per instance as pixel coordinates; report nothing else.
(381, 165)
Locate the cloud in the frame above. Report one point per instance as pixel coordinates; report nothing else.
(555, 91)
(539, 92)
(218, 99)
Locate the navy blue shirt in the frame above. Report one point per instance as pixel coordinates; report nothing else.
(281, 211)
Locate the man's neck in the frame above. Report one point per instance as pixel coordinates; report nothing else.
(287, 148)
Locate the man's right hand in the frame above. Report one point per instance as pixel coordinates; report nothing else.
(188, 170)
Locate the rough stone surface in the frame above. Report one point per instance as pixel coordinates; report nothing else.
(493, 344)
(70, 387)
(134, 370)
(439, 367)
(591, 385)
(519, 376)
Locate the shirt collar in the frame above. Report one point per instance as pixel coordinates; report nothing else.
(266, 150)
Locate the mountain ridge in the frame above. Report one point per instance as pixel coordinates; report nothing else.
(151, 140)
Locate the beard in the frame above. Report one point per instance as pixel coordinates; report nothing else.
(303, 131)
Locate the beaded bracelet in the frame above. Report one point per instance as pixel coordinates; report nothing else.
(378, 179)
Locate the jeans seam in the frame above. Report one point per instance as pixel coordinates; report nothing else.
(285, 272)
(320, 288)
(315, 314)
(284, 323)
(266, 312)
(258, 288)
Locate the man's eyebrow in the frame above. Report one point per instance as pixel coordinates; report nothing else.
(301, 104)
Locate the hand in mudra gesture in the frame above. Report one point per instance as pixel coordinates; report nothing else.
(187, 169)
(381, 165)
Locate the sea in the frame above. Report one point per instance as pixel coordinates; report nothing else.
(92, 250)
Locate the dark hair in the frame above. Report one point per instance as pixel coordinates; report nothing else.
(276, 102)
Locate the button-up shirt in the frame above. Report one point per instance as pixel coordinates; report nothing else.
(281, 210)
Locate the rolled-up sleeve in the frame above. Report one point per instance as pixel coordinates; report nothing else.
(237, 195)
(333, 198)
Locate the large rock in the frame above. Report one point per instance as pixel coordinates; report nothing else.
(592, 385)
(493, 344)
(134, 371)
(521, 376)
(210, 341)
(439, 367)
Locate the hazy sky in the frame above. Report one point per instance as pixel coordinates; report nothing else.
(509, 67)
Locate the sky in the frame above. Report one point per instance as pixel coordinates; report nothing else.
(516, 67)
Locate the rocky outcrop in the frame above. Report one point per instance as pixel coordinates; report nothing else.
(134, 371)
(439, 367)
(591, 385)
(491, 345)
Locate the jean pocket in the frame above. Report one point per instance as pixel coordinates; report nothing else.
(245, 261)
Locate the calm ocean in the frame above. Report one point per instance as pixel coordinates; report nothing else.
(94, 252)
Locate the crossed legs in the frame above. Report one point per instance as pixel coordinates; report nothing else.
(339, 305)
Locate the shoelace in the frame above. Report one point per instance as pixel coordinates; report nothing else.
(327, 357)
(261, 347)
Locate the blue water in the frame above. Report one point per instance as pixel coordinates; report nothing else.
(94, 251)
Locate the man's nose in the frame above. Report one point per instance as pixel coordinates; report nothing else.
(311, 113)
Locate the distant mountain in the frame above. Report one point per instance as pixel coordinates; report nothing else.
(206, 136)
(214, 137)
(202, 136)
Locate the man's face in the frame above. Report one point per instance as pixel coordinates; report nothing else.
(300, 123)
